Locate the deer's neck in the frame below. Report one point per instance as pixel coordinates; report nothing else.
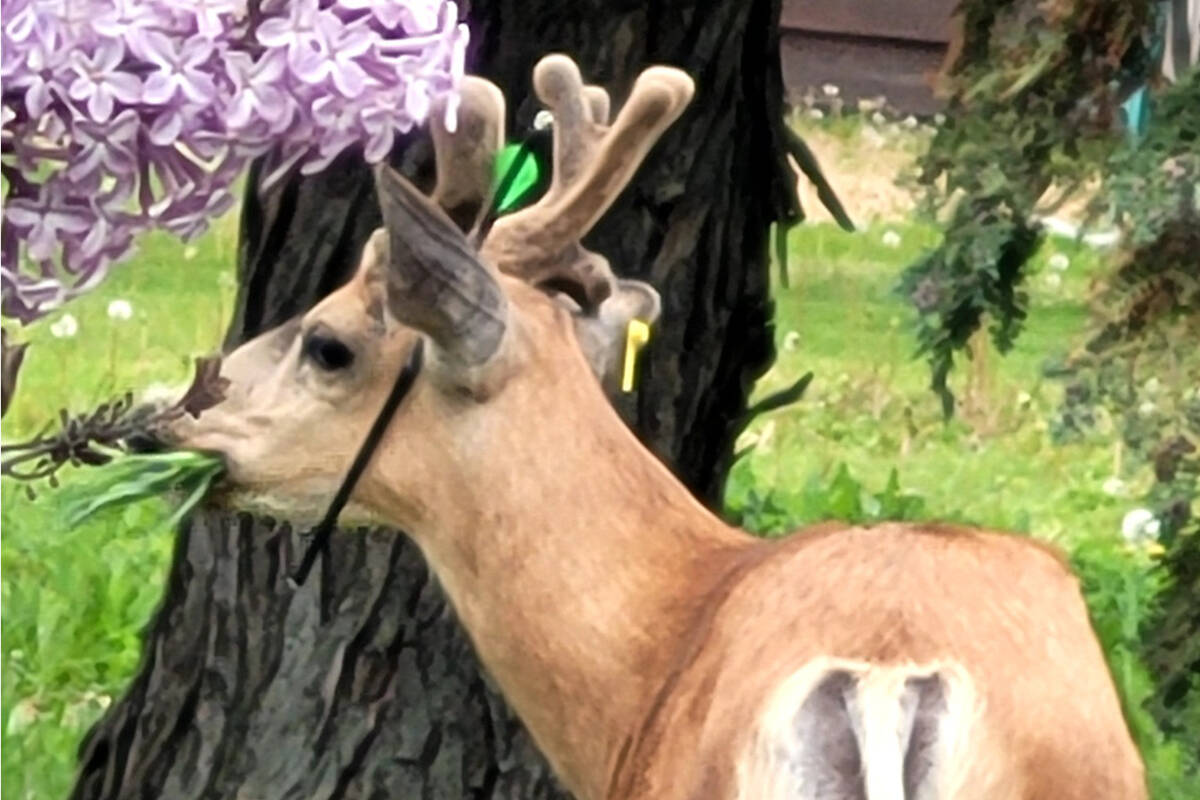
(576, 583)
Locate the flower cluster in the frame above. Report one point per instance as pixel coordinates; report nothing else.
(125, 115)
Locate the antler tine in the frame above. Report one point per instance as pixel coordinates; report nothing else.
(592, 163)
(597, 102)
(465, 157)
(658, 98)
(558, 84)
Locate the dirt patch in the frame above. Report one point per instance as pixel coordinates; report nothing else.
(863, 164)
(868, 164)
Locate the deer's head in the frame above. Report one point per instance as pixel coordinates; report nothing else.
(514, 329)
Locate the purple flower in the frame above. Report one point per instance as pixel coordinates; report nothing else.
(345, 46)
(417, 16)
(130, 20)
(61, 21)
(120, 116)
(24, 22)
(97, 237)
(181, 69)
(29, 298)
(101, 83)
(258, 97)
(335, 116)
(38, 79)
(166, 127)
(45, 218)
(297, 33)
(212, 16)
(320, 45)
(381, 120)
(106, 145)
(188, 220)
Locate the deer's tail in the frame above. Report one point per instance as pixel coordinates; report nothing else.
(849, 730)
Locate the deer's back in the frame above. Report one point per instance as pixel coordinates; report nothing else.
(984, 637)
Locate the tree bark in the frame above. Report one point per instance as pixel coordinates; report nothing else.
(243, 690)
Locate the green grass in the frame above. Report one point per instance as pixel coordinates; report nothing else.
(869, 405)
(75, 600)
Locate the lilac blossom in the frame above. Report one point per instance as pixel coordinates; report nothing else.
(180, 71)
(100, 83)
(121, 116)
(45, 217)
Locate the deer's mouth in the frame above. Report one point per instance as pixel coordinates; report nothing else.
(145, 442)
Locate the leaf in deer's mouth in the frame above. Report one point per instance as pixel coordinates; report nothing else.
(94, 438)
(131, 478)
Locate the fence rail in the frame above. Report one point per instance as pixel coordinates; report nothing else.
(867, 48)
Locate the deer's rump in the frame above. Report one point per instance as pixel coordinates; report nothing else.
(894, 662)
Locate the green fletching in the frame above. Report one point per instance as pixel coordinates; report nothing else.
(519, 184)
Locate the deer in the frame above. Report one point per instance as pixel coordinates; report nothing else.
(651, 649)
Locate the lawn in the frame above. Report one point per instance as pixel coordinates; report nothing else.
(75, 601)
(869, 406)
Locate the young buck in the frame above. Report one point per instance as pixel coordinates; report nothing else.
(652, 650)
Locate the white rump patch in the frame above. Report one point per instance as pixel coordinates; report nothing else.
(848, 730)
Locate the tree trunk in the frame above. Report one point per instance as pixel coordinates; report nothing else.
(244, 691)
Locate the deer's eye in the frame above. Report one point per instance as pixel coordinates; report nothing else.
(327, 353)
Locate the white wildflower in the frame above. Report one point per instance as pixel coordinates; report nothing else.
(830, 90)
(791, 340)
(1059, 261)
(120, 309)
(1147, 409)
(939, 119)
(1024, 399)
(816, 113)
(878, 119)
(1113, 486)
(1140, 525)
(910, 122)
(891, 238)
(1152, 386)
(66, 327)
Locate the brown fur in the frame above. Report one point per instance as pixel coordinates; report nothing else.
(618, 615)
(639, 638)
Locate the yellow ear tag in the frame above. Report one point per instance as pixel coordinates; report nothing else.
(636, 336)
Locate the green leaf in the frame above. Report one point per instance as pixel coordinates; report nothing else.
(131, 478)
(519, 184)
(844, 498)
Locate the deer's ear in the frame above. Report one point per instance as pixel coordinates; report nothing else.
(603, 334)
